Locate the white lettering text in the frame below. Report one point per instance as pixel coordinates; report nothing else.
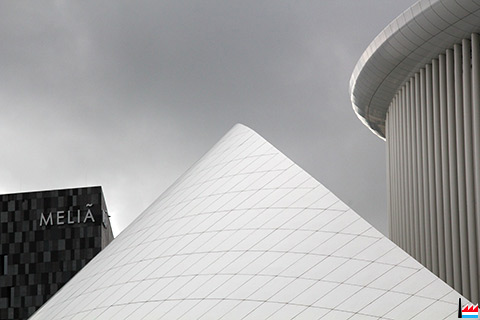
(47, 221)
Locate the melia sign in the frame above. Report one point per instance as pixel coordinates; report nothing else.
(67, 217)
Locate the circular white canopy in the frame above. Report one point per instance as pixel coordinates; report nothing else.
(413, 39)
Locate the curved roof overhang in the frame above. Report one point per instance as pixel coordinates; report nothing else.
(413, 39)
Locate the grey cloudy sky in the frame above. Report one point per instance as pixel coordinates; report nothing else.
(129, 94)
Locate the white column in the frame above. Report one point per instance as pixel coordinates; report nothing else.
(469, 175)
(414, 173)
(425, 170)
(408, 108)
(452, 169)
(419, 176)
(462, 199)
(447, 243)
(387, 156)
(476, 133)
(401, 235)
(401, 166)
(431, 169)
(406, 198)
(395, 194)
(438, 169)
(392, 173)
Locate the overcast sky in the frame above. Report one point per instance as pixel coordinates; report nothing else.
(129, 94)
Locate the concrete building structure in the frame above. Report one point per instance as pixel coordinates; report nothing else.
(418, 87)
(46, 237)
(247, 234)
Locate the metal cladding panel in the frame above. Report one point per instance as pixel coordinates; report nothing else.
(247, 234)
(419, 34)
(46, 237)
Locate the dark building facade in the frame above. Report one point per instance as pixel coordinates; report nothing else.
(46, 237)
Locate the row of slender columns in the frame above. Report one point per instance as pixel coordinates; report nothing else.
(433, 158)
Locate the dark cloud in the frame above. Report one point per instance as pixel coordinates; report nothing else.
(129, 94)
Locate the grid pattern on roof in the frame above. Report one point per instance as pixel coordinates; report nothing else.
(247, 234)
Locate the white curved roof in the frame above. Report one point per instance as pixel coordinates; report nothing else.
(413, 39)
(247, 234)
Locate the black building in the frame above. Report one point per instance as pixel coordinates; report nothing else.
(46, 237)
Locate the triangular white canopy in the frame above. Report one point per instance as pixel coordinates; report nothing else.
(247, 234)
